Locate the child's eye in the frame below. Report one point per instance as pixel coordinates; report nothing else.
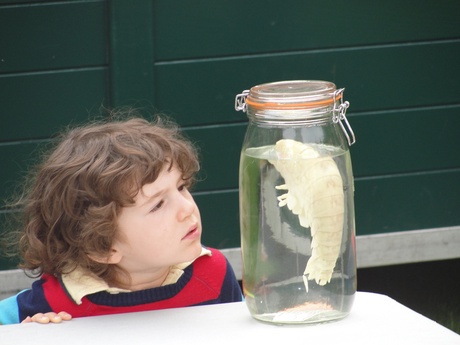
(157, 206)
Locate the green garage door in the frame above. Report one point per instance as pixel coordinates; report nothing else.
(60, 61)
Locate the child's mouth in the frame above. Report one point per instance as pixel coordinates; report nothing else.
(192, 234)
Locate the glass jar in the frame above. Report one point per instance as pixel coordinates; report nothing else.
(296, 203)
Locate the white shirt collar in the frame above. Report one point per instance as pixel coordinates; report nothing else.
(80, 283)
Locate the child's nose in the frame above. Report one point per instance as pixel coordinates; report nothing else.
(187, 207)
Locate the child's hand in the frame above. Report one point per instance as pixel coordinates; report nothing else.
(48, 317)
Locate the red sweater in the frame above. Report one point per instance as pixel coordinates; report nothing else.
(208, 280)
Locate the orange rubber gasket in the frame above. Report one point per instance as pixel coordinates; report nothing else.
(276, 106)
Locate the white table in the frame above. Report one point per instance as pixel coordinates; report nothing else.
(375, 319)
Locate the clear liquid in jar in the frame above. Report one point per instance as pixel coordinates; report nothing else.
(276, 248)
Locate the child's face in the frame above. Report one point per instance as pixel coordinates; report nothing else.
(161, 229)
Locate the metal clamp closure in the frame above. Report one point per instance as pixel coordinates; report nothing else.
(240, 101)
(340, 118)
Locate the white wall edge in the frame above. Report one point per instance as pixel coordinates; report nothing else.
(392, 248)
(13, 281)
(408, 247)
(371, 251)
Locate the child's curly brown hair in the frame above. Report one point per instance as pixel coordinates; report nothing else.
(70, 211)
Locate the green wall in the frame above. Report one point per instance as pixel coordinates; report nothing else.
(60, 61)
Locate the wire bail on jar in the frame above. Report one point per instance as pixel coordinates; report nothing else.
(240, 101)
(340, 118)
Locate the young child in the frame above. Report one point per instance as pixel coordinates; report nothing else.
(111, 227)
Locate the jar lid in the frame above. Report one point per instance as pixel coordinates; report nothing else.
(296, 102)
(295, 94)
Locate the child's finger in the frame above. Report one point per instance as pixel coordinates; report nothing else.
(41, 318)
(48, 317)
(53, 317)
(65, 316)
(28, 319)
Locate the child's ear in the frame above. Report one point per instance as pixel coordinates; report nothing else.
(113, 258)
